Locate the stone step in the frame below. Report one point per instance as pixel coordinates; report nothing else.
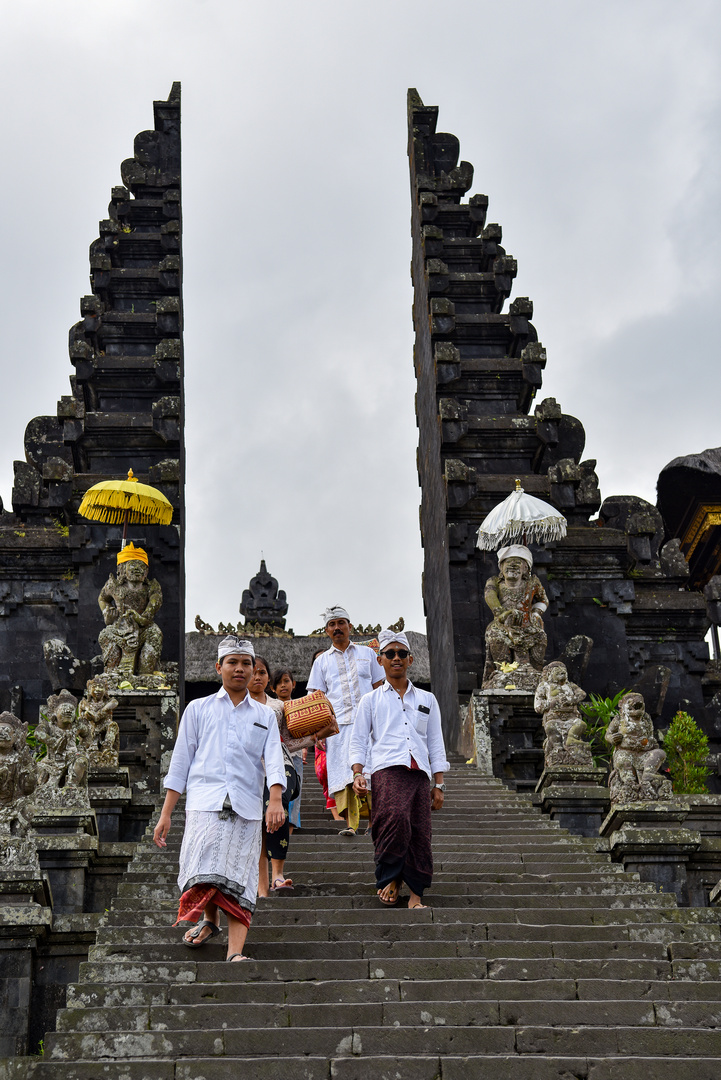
(476, 967)
(107, 995)
(386, 1040)
(490, 1012)
(156, 923)
(385, 1067)
(302, 949)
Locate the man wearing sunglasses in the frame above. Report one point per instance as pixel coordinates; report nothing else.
(408, 760)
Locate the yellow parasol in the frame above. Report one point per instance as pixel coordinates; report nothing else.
(129, 501)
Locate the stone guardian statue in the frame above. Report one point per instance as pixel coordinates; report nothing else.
(637, 757)
(558, 699)
(64, 769)
(18, 781)
(131, 642)
(516, 635)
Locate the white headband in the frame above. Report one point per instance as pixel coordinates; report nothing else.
(335, 612)
(387, 636)
(234, 646)
(515, 551)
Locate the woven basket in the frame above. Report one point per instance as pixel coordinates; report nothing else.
(309, 715)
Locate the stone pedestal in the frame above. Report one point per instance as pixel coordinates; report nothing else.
(574, 796)
(651, 839)
(110, 795)
(508, 737)
(148, 721)
(25, 918)
(67, 841)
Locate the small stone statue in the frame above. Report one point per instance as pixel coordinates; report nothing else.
(99, 732)
(64, 769)
(637, 756)
(516, 635)
(131, 642)
(558, 700)
(18, 780)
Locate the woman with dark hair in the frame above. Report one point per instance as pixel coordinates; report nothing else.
(283, 687)
(274, 844)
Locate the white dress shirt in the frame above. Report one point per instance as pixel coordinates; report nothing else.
(399, 727)
(344, 677)
(221, 749)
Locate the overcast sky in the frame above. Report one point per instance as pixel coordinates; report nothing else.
(594, 130)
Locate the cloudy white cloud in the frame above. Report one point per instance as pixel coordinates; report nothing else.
(594, 131)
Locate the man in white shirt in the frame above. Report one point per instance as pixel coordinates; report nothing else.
(345, 672)
(227, 743)
(407, 755)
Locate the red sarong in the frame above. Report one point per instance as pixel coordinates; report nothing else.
(194, 901)
(321, 771)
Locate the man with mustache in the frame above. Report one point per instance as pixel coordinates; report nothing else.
(344, 672)
(408, 755)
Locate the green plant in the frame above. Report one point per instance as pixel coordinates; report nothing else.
(598, 713)
(687, 750)
(61, 527)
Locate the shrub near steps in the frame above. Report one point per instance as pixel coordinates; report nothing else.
(538, 958)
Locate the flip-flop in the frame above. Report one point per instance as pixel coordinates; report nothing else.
(233, 956)
(287, 885)
(412, 907)
(193, 944)
(347, 832)
(390, 903)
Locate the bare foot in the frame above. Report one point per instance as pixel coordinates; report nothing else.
(416, 902)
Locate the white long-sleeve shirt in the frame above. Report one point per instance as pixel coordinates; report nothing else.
(399, 727)
(222, 749)
(344, 677)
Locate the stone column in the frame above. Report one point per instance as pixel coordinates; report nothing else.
(651, 839)
(507, 735)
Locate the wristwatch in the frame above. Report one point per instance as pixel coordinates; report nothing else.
(441, 787)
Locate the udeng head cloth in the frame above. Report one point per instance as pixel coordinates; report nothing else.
(387, 636)
(335, 612)
(234, 646)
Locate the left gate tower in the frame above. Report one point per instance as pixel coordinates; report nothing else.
(124, 411)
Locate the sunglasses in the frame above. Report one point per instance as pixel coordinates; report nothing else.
(402, 654)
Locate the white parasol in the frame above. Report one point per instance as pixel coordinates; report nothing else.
(523, 519)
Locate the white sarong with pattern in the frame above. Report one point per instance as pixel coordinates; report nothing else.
(223, 852)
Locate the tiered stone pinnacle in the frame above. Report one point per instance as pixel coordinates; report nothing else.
(538, 958)
(125, 410)
(479, 367)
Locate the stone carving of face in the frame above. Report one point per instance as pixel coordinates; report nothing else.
(7, 738)
(514, 570)
(136, 571)
(634, 707)
(65, 714)
(97, 692)
(558, 674)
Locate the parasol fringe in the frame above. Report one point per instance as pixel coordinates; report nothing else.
(541, 532)
(111, 506)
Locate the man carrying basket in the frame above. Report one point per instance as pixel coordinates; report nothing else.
(344, 673)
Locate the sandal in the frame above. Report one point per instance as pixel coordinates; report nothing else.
(195, 932)
(347, 832)
(286, 885)
(236, 955)
(390, 903)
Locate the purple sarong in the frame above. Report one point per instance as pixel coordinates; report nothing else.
(401, 827)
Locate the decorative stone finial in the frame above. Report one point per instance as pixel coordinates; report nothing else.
(262, 601)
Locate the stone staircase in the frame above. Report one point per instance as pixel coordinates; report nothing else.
(539, 958)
